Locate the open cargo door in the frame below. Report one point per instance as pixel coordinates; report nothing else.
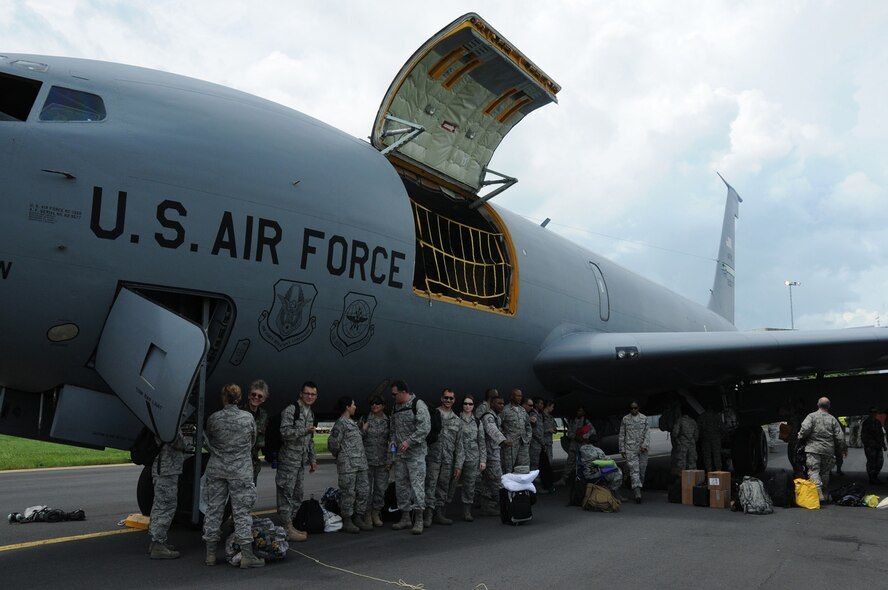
(455, 100)
(150, 356)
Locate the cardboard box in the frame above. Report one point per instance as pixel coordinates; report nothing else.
(690, 478)
(719, 480)
(719, 498)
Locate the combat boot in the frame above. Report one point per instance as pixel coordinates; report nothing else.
(404, 523)
(249, 559)
(467, 513)
(427, 516)
(618, 496)
(363, 522)
(294, 534)
(490, 510)
(211, 553)
(163, 551)
(637, 495)
(440, 517)
(348, 526)
(374, 517)
(417, 522)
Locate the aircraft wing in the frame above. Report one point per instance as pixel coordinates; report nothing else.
(620, 363)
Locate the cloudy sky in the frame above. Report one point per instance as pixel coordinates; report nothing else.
(785, 99)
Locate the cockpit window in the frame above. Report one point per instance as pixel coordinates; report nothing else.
(17, 96)
(65, 104)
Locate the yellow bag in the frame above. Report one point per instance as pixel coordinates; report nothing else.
(871, 501)
(806, 494)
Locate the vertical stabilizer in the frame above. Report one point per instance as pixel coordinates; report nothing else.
(721, 297)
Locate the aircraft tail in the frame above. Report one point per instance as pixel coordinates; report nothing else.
(721, 297)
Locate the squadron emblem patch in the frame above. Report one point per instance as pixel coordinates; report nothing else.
(353, 330)
(289, 321)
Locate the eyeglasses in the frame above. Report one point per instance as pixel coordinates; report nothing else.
(255, 394)
(377, 404)
(468, 403)
(447, 399)
(309, 394)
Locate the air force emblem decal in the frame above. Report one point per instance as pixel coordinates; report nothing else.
(289, 321)
(353, 330)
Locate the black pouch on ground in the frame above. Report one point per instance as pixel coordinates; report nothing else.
(781, 489)
(848, 495)
(701, 495)
(515, 506)
(390, 512)
(309, 517)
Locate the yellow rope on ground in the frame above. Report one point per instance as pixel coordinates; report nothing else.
(399, 583)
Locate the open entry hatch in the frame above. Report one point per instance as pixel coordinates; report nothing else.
(439, 124)
(455, 100)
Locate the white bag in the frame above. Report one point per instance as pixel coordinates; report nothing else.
(332, 521)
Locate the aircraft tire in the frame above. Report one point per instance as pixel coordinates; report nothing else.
(145, 491)
(749, 450)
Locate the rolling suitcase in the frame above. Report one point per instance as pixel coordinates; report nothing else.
(515, 507)
(701, 495)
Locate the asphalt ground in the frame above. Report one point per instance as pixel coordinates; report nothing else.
(652, 545)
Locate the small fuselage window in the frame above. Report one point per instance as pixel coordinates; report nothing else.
(66, 104)
(17, 96)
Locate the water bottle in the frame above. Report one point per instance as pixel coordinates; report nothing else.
(393, 450)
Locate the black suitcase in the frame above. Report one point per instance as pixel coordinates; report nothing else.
(781, 489)
(701, 495)
(515, 507)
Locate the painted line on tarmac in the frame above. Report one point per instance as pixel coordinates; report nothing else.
(66, 539)
(69, 468)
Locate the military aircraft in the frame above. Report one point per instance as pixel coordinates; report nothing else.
(163, 236)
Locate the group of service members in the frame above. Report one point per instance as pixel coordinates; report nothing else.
(476, 444)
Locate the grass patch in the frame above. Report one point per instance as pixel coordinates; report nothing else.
(24, 453)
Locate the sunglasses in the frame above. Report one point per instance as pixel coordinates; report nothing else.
(468, 403)
(447, 399)
(377, 404)
(259, 395)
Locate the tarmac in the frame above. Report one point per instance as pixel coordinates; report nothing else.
(652, 545)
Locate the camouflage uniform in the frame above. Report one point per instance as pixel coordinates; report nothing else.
(347, 445)
(481, 409)
(475, 451)
(684, 437)
(516, 427)
(635, 435)
(261, 418)
(548, 434)
(570, 466)
(165, 472)
(410, 465)
(536, 438)
(297, 451)
(824, 438)
(491, 477)
(590, 453)
(230, 436)
(710, 433)
(376, 446)
(443, 455)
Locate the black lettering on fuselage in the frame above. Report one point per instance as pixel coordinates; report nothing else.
(225, 236)
(95, 221)
(248, 237)
(394, 268)
(377, 252)
(270, 240)
(334, 266)
(308, 248)
(162, 219)
(358, 259)
(5, 267)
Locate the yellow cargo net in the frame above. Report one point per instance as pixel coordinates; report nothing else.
(461, 261)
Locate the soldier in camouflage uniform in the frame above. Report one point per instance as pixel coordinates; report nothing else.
(547, 474)
(230, 435)
(475, 455)
(709, 424)
(588, 453)
(536, 431)
(516, 427)
(484, 406)
(444, 462)
(297, 452)
(491, 477)
(824, 438)
(409, 431)
(633, 442)
(684, 437)
(165, 472)
(570, 466)
(377, 438)
(347, 445)
(258, 396)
